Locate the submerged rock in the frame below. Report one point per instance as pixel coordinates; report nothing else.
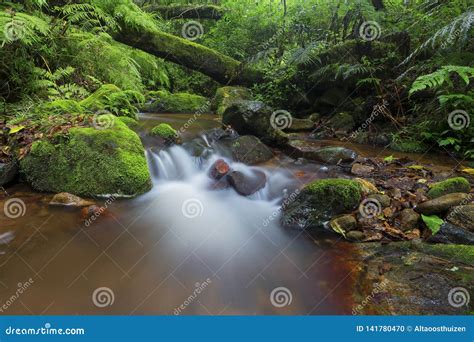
(245, 184)
(329, 155)
(441, 204)
(166, 102)
(449, 186)
(90, 162)
(254, 118)
(321, 200)
(69, 200)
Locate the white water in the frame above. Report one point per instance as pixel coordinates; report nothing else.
(182, 198)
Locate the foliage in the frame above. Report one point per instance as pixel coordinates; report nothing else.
(434, 223)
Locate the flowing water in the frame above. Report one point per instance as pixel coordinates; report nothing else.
(182, 248)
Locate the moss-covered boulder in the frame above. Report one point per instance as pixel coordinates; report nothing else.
(342, 121)
(166, 132)
(322, 200)
(90, 162)
(254, 118)
(130, 122)
(449, 186)
(226, 96)
(165, 102)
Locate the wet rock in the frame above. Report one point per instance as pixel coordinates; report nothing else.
(355, 235)
(449, 186)
(93, 210)
(298, 125)
(462, 216)
(441, 204)
(384, 200)
(408, 219)
(361, 169)
(8, 172)
(449, 233)
(367, 187)
(217, 134)
(342, 121)
(248, 149)
(320, 201)
(247, 184)
(254, 118)
(69, 200)
(329, 155)
(219, 169)
(345, 223)
(227, 96)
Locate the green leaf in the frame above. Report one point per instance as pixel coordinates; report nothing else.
(337, 228)
(389, 159)
(434, 223)
(16, 129)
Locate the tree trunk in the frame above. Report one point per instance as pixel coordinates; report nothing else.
(187, 12)
(221, 68)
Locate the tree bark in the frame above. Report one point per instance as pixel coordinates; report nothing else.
(221, 68)
(187, 12)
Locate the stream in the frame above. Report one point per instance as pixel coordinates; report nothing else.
(154, 252)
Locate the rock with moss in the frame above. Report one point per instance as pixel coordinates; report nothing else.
(130, 122)
(90, 162)
(408, 146)
(322, 200)
(165, 102)
(165, 132)
(8, 172)
(226, 96)
(449, 186)
(248, 149)
(342, 121)
(254, 118)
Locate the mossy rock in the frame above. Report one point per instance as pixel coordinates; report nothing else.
(322, 200)
(254, 118)
(449, 186)
(165, 132)
(409, 146)
(90, 162)
(342, 121)
(226, 96)
(166, 102)
(130, 122)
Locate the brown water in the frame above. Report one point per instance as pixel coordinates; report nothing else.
(153, 266)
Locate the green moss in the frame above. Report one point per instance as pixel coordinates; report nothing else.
(409, 146)
(449, 186)
(177, 103)
(90, 162)
(131, 123)
(226, 96)
(342, 120)
(342, 193)
(165, 131)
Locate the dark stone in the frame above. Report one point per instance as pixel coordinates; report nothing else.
(247, 185)
(462, 216)
(329, 155)
(441, 204)
(8, 172)
(219, 169)
(450, 234)
(248, 150)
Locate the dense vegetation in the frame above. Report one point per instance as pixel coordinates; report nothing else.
(60, 59)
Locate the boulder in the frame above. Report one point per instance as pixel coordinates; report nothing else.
(322, 200)
(449, 233)
(449, 186)
(441, 204)
(248, 149)
(344, 223)
(219, 169)
(331, 155)
(408, 219)
(247, 184)
(341, 121)
(69, 200)
(165, 102)
(254, 118)
(8, 172)
(90, 162)
(462, 216)
(227, 96)
(298, 125)
(165, 132)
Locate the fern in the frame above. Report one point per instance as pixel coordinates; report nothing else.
(18, 26)
(440, 77)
